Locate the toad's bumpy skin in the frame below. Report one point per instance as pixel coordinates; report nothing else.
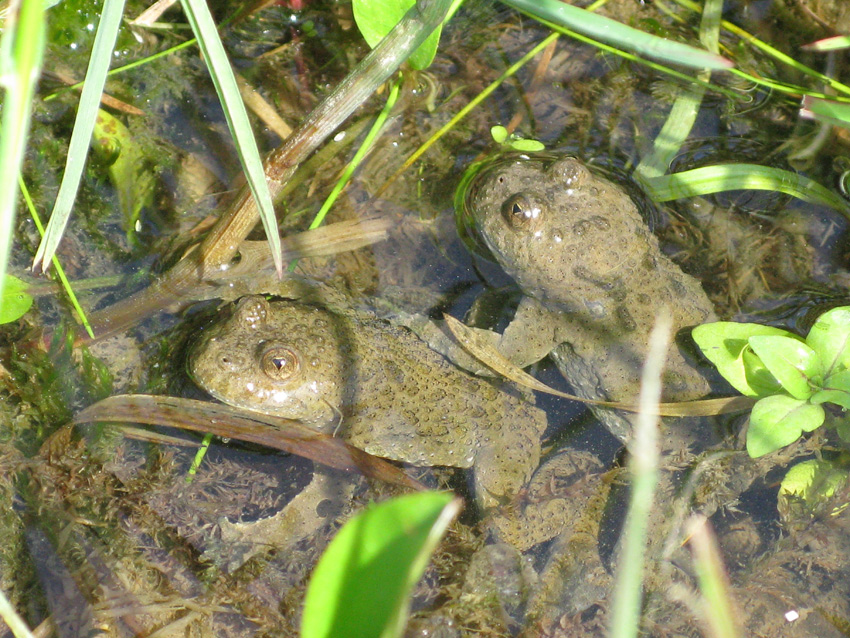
(577, 245)
(378, 385)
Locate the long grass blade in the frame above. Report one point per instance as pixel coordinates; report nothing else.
(21, 55)
(370, 138)
(643, 470)
(730, 177)
(104, 43)
(830, 111)
(771, 51)
(835, 43)
(469, 106)
(7, 612)
(681, 119)
(617, 33)
(199, 17)
(60, 272)
(718, 614)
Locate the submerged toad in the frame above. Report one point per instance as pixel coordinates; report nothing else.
(592, 272)
(378, 385)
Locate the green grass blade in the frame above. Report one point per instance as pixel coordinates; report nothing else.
(203, 26)
(127, 67)
(830, 111)
(60, 272)
(343, 180)
(681, 119)
(614, 32)
(21, 55)
(495, 84)
(835, 43)
(730, 177)
(370, 138)
(643, 469)
(13, 621)
(718, 615)
(104, 44)
(771, 51)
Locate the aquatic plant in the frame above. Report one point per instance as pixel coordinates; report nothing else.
(792, 377)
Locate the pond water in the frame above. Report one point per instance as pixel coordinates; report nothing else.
(106, 535)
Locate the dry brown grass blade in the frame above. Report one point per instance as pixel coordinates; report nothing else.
(254, 256)
(228, 422)
(484, 351)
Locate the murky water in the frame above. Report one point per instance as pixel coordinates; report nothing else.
(103, 533)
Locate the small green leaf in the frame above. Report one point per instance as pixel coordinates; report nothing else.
(812, 479)
(794, 364)
(725, 344)
(830, 339)
(16, 301)
(778, 421)
(811, 484)
(836, 389)
(524, 145)
(375, 19)
(499, 133)
(362, 584)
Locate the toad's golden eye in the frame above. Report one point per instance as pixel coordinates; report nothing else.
(520, 212)
(279, 363)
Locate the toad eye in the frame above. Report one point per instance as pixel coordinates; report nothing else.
(520, 212)
(279, 363)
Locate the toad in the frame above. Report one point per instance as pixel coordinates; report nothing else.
(376, 384)
(592, 273)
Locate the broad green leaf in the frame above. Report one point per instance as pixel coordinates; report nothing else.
(78, 147)
(728, 177)
(725, 344)
(830, 338)
(375, 18)
(836, 389)
(617, 33)
(15, 300)
(794, 364)
(778, 421)
(362, 584)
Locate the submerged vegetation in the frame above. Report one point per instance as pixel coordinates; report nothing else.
(109, 502)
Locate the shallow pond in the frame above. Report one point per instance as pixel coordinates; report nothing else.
(104, 533)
